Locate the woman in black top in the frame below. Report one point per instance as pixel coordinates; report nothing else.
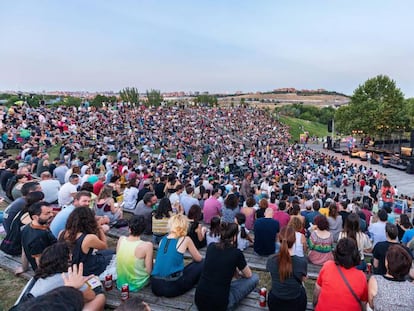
(216, 290)
(196, 231)
(288, 272)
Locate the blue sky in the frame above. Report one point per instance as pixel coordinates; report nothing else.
(210, 45)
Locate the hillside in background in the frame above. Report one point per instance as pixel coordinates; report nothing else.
(267, 99)
(299, 126)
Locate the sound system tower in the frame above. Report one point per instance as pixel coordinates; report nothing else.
(412, 139)
(330, 123)
(410, 166)
(329, 142)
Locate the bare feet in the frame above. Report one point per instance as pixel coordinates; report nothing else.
(20, 270)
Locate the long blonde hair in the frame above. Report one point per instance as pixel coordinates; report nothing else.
(178, 224)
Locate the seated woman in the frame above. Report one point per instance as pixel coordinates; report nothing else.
(54, 261)
(288, 271)
(84, 237)
(231, 208)
(249, 212)
(213, 234)
(169, 277)
(160, 220)
(331, 290)
(131, 195)
(216, 289)
(134, 257)
(196, 231)
(105, 205)
(392, 291)
(244, 240)
(320, 242)
(353, 231)
(301, 247)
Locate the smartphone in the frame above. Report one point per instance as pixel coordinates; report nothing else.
(94, 282)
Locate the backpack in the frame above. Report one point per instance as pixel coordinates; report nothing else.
(11, 182)
(12, 243)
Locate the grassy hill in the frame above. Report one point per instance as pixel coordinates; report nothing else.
(299, 126)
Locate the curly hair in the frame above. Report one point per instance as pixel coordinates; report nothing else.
(54, 259)
(81, 220)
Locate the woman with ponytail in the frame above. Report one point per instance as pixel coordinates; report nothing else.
(288, 272)
(216, 289)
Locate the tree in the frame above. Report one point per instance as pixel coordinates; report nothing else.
(154, 98)
(100, 99)
(377, 105)
(72, 101)
(409, 106)
(129, 94)
(207, 100)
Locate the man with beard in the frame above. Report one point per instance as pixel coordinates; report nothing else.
(82, 199)
(36, 236)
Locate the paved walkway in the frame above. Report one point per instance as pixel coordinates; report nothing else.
(403, 181)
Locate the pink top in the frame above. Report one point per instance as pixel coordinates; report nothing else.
(282, 217)
(211, 208)
(250, 213)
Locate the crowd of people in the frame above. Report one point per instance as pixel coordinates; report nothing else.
(221, 178)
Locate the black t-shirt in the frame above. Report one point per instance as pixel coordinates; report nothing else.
(286, 188)
(260, 213)
(265, 231)
(159, 190)
(291, 287)
(379, 251)
(34, 241)
(344, 215)
(213, 290)
(11, 212)
(4, 178)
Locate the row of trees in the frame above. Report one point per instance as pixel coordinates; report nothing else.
(377, 108)
(128, 94)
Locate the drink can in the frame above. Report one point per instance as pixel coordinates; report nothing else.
(369, 268)
(125, 292)
(108, 282)
(262, 297)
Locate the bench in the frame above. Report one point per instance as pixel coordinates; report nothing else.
(113, 297)
(255, 262)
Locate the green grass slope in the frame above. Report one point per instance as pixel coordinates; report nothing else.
(299, 126)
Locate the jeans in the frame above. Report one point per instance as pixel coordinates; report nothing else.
(177, 287)
(240, 288)
(362, 266)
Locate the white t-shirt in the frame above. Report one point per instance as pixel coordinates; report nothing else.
(65, 194)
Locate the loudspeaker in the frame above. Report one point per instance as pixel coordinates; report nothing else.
(412, 139)
(330, 126)
(329, 142)
(410, 166)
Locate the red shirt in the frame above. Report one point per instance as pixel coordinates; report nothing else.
(97, 187)
(335, 295)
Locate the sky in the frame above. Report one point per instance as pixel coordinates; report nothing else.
(214, 45)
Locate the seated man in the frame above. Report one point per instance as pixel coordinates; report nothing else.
(265, 234)
(82, 198)
(36, 236)
(381, 249)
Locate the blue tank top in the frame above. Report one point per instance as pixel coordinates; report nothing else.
(168, 260)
